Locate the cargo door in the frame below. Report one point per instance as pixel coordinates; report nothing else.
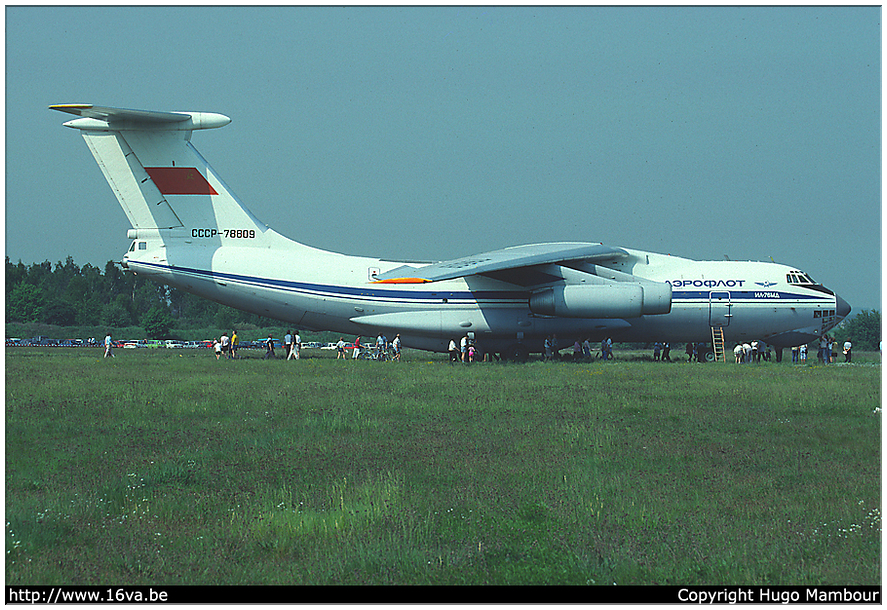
(720, 309)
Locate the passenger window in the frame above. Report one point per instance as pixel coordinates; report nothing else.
(143, 245)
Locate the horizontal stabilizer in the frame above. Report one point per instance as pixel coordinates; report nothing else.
(103, 117)
(507, 258)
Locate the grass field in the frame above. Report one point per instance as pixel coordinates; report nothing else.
(169, 467)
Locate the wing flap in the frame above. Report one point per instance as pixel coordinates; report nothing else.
(501, 260)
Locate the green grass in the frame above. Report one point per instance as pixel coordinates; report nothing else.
(169, 467)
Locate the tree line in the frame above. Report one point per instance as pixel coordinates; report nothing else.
(68, 295)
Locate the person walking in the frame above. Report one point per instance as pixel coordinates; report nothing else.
(454, 351)
(825, 349)
(287, 345)
(847, 347)
(226, 344)
(396, 345)
(108, 344)
(295, 346)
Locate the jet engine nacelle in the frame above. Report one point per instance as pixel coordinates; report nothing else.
(612, 300)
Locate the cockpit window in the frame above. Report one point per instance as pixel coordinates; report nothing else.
(796, 277)
(132, 248)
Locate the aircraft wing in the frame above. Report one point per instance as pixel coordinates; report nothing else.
(502, 260)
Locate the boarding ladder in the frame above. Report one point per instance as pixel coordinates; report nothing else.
(717, 342)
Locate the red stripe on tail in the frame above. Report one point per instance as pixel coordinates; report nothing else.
(180, 181)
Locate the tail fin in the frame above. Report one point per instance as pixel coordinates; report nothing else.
(163, 184)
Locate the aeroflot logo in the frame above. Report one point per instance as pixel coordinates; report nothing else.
(705, 283)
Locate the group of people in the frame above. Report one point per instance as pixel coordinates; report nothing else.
(751, 352)
(382, 349)
(226, 346)
(292, 346)
(662, 351)
(581, 351)
(466, 351)
(828, 350)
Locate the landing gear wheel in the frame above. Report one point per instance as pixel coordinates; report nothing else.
(516, 353)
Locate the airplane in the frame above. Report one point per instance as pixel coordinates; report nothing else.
(190, 231)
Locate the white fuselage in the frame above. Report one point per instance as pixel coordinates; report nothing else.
(321, 290)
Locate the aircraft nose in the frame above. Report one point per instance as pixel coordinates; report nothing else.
(842, 307)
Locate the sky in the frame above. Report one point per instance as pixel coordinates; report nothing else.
(430, 133)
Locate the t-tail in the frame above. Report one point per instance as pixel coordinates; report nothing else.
(167, 189)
